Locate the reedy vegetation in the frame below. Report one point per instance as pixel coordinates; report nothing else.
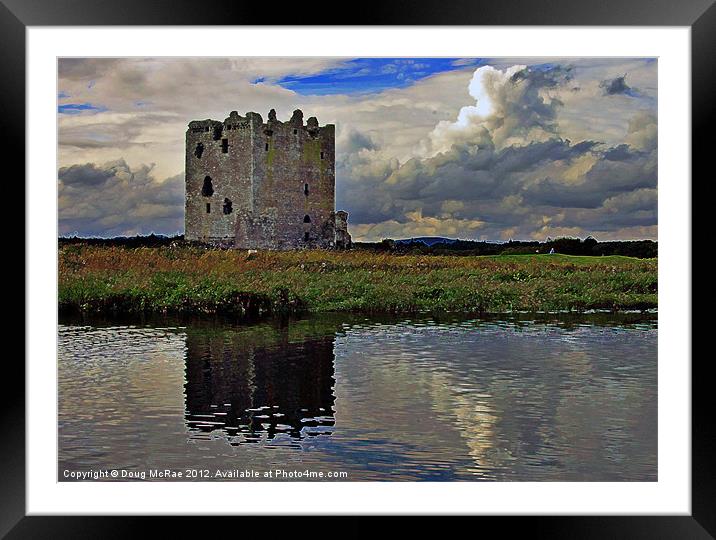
(187, 279)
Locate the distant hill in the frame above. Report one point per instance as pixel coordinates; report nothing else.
(427, 240)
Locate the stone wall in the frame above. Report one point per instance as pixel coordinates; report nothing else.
(343, 238)
(257, 185)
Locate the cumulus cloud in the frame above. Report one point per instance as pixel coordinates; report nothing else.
(505, 162)
(642, 131)
(112, 199)
(511, 106)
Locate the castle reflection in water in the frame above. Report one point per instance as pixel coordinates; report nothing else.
(384, 398)
(253, 386)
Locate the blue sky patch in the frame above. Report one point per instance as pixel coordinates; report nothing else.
(371, 75)
(77, 108)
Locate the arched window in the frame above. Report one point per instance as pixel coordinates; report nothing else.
(199, 150)
(228, 206)
(305, 189)
(306, 219)
(207, 189)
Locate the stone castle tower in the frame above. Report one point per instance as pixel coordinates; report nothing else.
(256, 185)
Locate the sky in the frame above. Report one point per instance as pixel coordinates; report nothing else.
(472, 148)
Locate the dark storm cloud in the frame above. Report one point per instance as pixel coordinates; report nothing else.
(521, 158)
(608, 177)
(636, 208)
(468, 172)
(544, 75)
(619, 153)
(114, 200)
(617, 86)
(87, 175)
(532, 109)
(356, 141)
(505, 188)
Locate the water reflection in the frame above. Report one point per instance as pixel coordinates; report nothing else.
(565, 399)
(503, 400)
(254, 385)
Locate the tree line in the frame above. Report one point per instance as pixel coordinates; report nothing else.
(643, 249)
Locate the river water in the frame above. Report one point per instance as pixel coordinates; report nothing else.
(361, 398)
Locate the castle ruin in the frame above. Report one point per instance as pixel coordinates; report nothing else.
(256, 185)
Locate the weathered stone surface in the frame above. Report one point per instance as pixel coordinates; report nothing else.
(256, 185)
(343, 238)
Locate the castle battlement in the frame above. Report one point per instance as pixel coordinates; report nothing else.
(253, 120)
(262, 185)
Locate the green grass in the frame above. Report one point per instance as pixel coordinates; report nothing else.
(196, 280)
(565, 259)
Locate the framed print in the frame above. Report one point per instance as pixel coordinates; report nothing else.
(425, 263)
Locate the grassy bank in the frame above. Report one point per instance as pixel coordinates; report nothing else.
(196, 280)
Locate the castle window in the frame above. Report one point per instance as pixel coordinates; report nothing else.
(267, 147)
(225, 146)
(305, 189)
(199, 150)
(207, 190)
(321, 155)
(208, 208)
(228, 206)
(305, 236)
(307, 219)
(295, 132)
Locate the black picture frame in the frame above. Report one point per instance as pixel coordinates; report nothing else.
(16, 15)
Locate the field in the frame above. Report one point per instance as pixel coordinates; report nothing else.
(182, 279)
